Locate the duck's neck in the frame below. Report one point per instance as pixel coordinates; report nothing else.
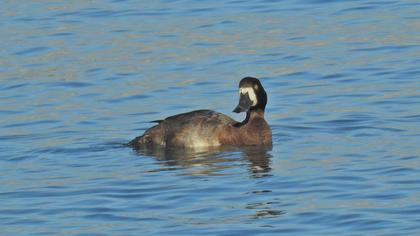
(251, 115)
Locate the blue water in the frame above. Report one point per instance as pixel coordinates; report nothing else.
(80, 78)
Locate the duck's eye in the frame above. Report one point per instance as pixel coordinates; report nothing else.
(256, 87)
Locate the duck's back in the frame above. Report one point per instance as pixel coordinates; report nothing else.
(194, 129)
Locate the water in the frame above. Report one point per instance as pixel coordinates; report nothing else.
(80, 78)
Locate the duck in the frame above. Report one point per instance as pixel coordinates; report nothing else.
(207, 128)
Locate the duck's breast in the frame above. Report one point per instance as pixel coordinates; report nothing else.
(256, 132)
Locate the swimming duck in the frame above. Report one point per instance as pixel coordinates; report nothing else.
(206, 128)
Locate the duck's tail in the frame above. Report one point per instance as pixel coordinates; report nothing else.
(140, 141)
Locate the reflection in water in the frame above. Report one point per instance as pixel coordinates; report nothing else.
(259, 159)
(213, 160)
(265, 209)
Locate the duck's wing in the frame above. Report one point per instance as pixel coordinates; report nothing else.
(185, 116)
(199, 116)
(195, 129)
(179, 129)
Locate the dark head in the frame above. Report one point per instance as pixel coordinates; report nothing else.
(252, 96)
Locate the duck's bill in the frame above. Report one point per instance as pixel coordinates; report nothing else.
(244, 103)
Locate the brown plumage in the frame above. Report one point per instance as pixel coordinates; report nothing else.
(206, 128)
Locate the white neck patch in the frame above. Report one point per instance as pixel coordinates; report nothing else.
(251, 94)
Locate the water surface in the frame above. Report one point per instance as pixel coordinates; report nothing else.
(80, 78)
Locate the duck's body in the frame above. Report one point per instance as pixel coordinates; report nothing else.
(206, 128)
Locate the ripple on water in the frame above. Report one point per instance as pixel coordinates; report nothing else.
(128, 98)
(31, 51)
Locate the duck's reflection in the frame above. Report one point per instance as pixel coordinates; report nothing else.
(214, 160)
(259, 160)
(223, 161)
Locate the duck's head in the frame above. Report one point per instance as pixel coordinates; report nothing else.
(252, 96)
